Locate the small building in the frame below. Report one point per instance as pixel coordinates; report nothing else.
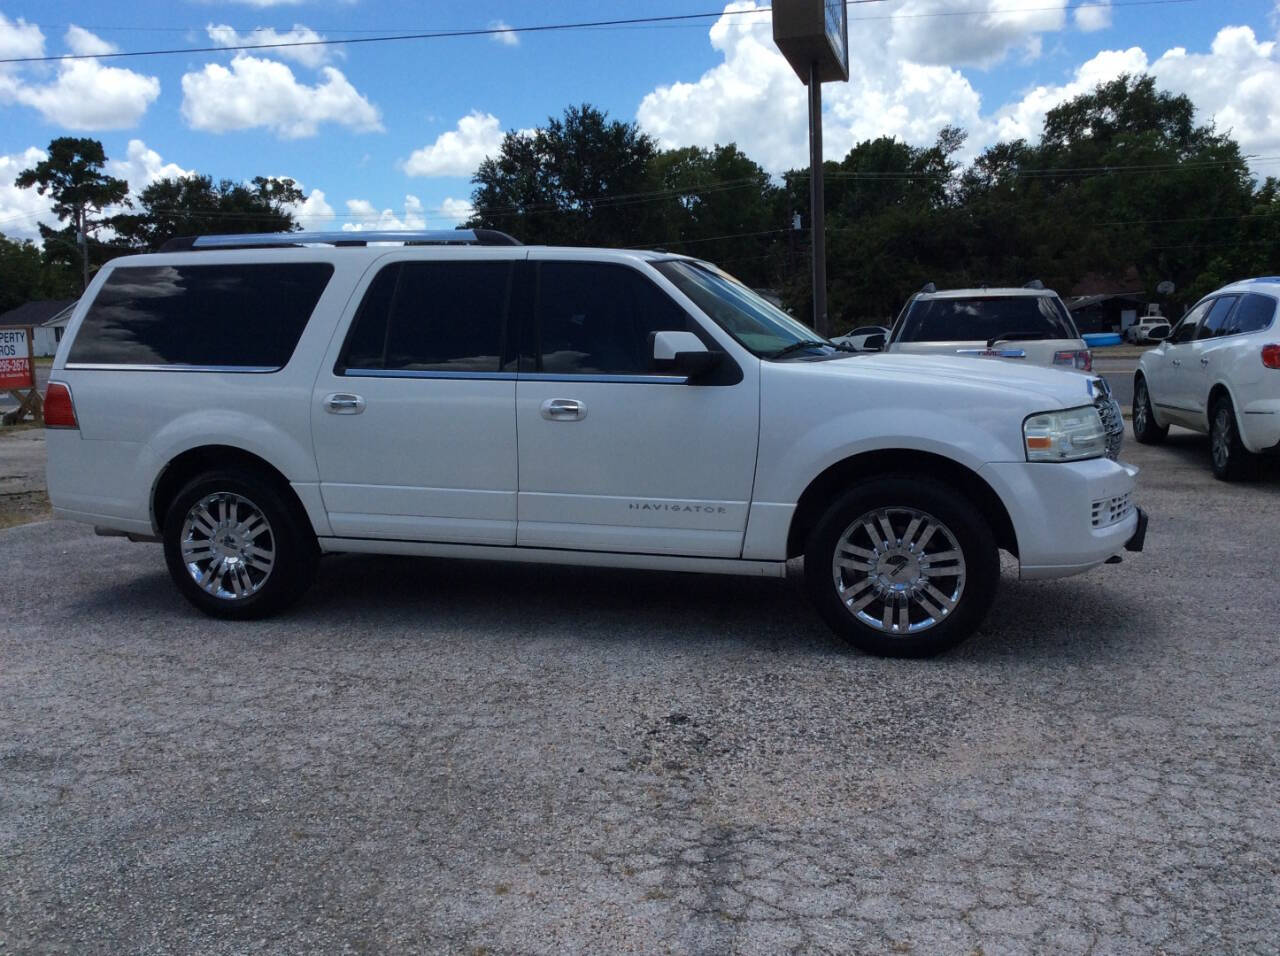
(1107, 312)
(48, 317)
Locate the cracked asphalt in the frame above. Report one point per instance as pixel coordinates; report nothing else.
(476, 757)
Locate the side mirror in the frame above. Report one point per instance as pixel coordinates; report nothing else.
(1157, 334)
(683, 353)
(873, 343)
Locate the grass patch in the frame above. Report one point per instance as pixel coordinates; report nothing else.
(23, 507)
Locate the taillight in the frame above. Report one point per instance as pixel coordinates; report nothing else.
(1076, 358)
(1271, 355)
(59, 410)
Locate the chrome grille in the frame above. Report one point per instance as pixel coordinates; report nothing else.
(1108, 511)
(1112, 417)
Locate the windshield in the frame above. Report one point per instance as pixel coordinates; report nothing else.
(755, 322)
(982, 318)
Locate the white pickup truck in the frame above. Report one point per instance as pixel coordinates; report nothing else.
(257, 401)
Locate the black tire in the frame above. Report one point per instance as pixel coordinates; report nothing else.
(1231, 460)
(1145, 428)
(288, 537)
(902, 498)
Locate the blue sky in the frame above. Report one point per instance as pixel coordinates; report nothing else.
(388, 133)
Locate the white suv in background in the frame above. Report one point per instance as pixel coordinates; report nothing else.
(1218, 372)
(254, 401)
(1026, 326)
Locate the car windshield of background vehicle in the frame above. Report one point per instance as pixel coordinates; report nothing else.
(981, 319)
(752, 320)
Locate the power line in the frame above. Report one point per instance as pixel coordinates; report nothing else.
(582, 25)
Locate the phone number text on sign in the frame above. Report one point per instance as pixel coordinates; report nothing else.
(15, 370)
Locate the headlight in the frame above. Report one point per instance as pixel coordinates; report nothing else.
(1068, 435)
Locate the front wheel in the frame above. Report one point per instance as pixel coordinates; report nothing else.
(902, 567)
(236, 547)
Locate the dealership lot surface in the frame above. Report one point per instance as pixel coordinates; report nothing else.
(482, 757)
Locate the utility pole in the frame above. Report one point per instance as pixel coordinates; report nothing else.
(814, 37)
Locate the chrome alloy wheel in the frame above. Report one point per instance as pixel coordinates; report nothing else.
(898, 570)
(228, 546)
(1220, 436)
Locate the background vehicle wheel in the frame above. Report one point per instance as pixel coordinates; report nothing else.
(1231, 460)
(236, 547)
(902, 567)
(1145, 429)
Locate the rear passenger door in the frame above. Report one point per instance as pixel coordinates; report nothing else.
(613, 455)
(413, 413)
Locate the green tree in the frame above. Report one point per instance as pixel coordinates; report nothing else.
(720, 205)
(196, 205)
(24, 275)
(572, 182)
(73, 179)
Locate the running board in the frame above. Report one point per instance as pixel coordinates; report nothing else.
(595, 559)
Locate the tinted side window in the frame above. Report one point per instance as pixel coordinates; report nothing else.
(1253, 314)
(1219, 316)
(597, 317)
(227, 316)
(1186, 329)
(431, 316)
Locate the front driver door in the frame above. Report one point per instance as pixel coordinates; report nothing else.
(616, 457)
(1169, 376)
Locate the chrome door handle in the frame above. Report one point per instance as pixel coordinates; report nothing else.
(563, 410)
(1204, 361)
(343, 403)
(1176, 361)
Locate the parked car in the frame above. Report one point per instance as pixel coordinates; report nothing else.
(1218, 373)
(1027, 326)
(1150, 329)
(857, 339)
(254, 403)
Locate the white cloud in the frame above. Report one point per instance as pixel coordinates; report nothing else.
(84, 95)
(1233, 85)
(505, 37)
(951, 33)
(754, 99)
(366, 216)
(264, 93)
(1092, 16)
(19, 38)
(144, 166)
(83, 43)
(456, 210)
(22, 209)
(460, 151)
(312, 56)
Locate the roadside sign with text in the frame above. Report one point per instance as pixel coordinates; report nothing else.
(16, 367)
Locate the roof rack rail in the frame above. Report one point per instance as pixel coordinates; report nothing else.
(928, 288)
(1033, 284)
(269, 240)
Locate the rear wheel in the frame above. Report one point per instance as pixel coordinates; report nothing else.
(236, 547)
(1145, 428)
(902, 567)
(1231, 460)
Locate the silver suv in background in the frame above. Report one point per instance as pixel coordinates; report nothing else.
(1029, 326)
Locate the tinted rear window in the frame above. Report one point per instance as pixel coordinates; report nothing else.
(221, 316)
(984, 318)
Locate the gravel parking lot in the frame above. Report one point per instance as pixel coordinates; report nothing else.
(475, 757)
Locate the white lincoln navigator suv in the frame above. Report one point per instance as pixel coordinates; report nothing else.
(256, 401)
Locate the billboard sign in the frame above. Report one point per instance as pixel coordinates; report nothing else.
(16, 368)
(813, 35)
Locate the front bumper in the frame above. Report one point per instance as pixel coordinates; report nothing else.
(1068, 516)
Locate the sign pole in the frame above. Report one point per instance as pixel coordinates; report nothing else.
(817, 204)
